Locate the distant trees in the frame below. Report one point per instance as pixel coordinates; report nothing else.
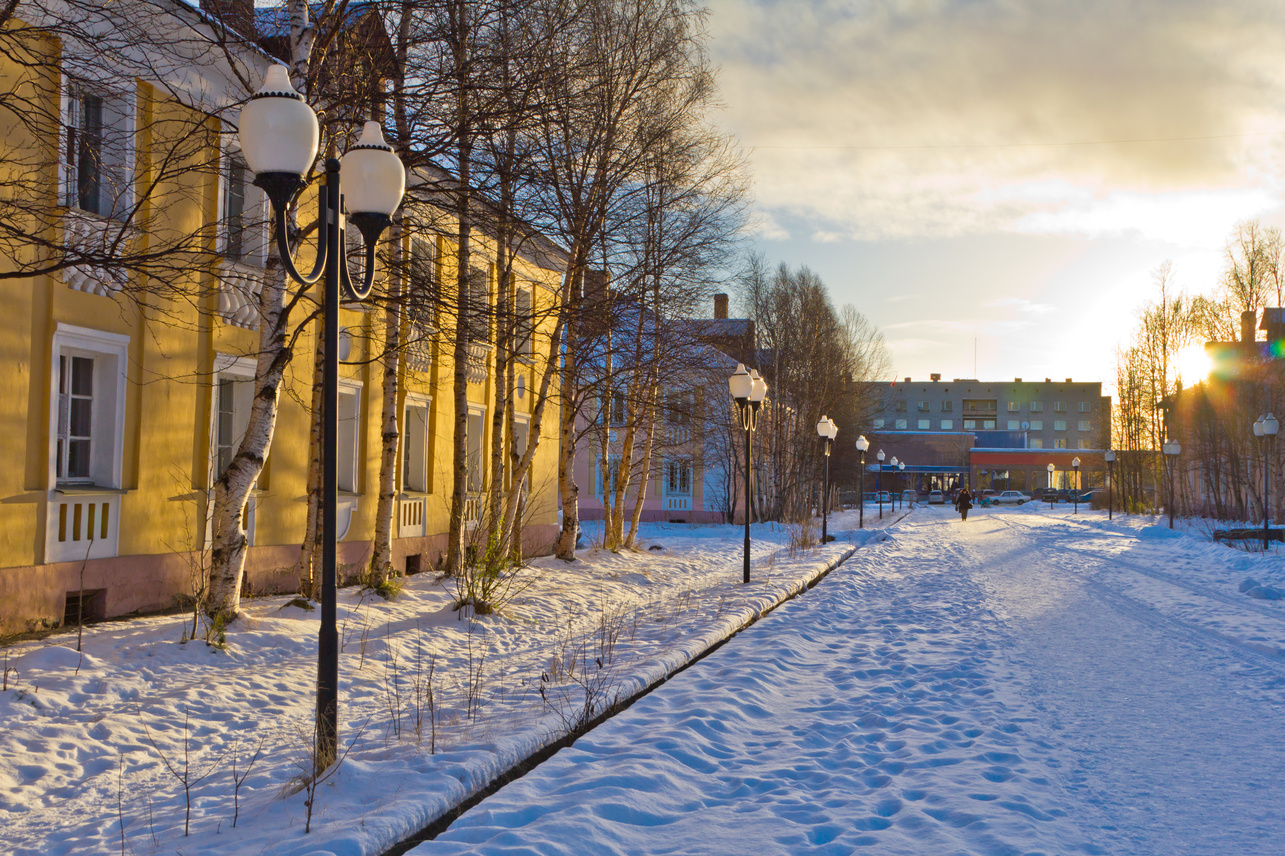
(817, 362)
(1210, 417)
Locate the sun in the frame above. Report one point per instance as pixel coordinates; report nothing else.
(1192, 364)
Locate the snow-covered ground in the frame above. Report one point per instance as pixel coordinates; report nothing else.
(1031, 681)
(96, 745)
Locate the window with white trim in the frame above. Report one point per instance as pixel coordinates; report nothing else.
(476, 429)
(88, 407)
(1037, 424)
(678, 477)
(1059, 424)
(1014, 425)
(415, 451)
(348, 437)
(925, 424)
(477, 320)
(1059, 407)
(1084, 425)
(901, 424)
(1014, 407)
(970, 424)
(611, 473)
(877, 423)
(948, 424)
(98, 150)
(947, 406)
(988, 424)
(424, 292)
(1085, 407)
(1059, 443)
(242, 213)
(923, 406)
(1037, 407)
(1036, 443)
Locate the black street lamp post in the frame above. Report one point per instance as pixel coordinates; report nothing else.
(828, 431)
(1075, 465)
(879, 482)
(1171, 450)
(748, 391)
(862, 445)
(1265, 429)
(279, 137)
(1109, 457)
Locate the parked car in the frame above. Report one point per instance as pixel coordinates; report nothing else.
(936, 497)
(909, 496)
(1010, 497)
(884, 496)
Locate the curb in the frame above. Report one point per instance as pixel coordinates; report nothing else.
(443, 822)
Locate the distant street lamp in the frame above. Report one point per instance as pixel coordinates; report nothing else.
(1051, 493)
(1109, 457)
(862, 445)
(879, 482)
(279, 136)
(901, 483)
(892, 495)
(1265, 429)
(828, 431)
(1172, 450)
(748, 391)
(1075, 465)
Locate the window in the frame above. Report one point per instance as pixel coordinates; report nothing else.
(241, 217)
(98, 151)
(925, 424)
(980, 405)
(1014, 407)
(476, 429)
(900, 407)
(88, 406)
(424, 293)
(678, 408)
(901, 424)
(1036, 443)
(1037, 424)
(1084, 425)
(619, 414)
(523, 323)
(477, 320)
(988, 424)
(1084, 407)
(1059, 424)
(947, 406)
(1059, 407)
(947, 424)
(923, 407)
(612, 471)
(1014, 425)
(348, 437)
(678, 477)
(1037, 407)
(970, 424)
(1059, 443)
(415, 453)
(877, 423)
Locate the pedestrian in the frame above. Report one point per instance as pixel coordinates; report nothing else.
(963, 503)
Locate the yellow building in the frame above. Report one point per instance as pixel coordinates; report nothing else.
(132, 343)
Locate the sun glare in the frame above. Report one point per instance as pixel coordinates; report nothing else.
(1192, 364)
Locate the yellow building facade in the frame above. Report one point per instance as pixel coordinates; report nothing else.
(127, 389)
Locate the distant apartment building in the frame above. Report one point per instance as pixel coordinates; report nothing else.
(1006, 432)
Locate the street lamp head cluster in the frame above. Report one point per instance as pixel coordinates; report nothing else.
(748, 391)
(279, 137)
(827, 431)
(1172, 448)
(862, 444)
(1266, 426)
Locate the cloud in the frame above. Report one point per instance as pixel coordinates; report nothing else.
(876, 119)
(1021, 305)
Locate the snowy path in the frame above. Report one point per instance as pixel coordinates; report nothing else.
(1027, 682)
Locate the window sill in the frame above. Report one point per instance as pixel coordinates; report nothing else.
(86, 489)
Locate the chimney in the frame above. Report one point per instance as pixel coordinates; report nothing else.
(907, 380)
(1017, 380)
(1068, 380)
(936, 376)
(1247, 325)
(236, 15)
(720, 305)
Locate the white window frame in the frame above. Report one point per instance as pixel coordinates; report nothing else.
(1059, 407)
(1014, 425)
(240, 370)
(107, 420)
(1084, 407)
(970, 424)
(925, 424)
(613, 463)
(1014, 407)
(348, 436)
(877, 423)
(1085, 425)
(476, 446)
(416, 457)
(1059, 443)
(1037, 424)
(677, 466)
(524, 322)
(1059, 424)
(1036, 443)
(120, 97)
(948, 424)
(1037, 407)
(901, 424)
(254, 212)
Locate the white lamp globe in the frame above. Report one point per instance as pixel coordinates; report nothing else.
(823, 426)
(1270, 425)
(740, 383)
(277, 129)
(374, 178)
(862, 443)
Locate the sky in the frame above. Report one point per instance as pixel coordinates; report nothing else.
(994, 183)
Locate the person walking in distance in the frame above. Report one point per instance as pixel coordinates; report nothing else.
(963, 503)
